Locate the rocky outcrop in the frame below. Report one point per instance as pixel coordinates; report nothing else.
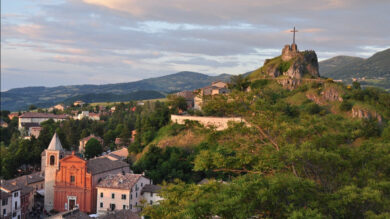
(332, 94)
(366, 114)
(329, 94)
(293, 64)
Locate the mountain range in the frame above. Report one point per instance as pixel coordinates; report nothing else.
(373, 71)
(20, 98)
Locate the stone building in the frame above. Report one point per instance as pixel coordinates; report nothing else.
(10, 200)
(120, 191)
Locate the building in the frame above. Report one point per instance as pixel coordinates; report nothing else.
(76, 180)
(50, 165)
(120, 154)
(34, 131)
(12, 115)
(3, 124)
(150, 194)
(188, 96)
(79, 103)
(60, 107)
(84, 141)
(29, 185)
(120, 192)
(215, 88)
(10, 200)
(30, 119)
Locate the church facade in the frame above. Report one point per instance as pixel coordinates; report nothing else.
(70, 181)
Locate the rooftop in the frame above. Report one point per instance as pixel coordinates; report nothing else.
(55, 144)
(103, 164)
(42, 115)
(10, 186)
(151, 188)
(119, 181)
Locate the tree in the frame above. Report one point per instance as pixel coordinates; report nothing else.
(93, 148)
(239, 82)
(176, 103)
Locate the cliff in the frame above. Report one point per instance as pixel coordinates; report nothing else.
(291, 66)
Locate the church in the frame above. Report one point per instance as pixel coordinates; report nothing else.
(70, 181)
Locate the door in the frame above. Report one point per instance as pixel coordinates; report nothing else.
(72, 204)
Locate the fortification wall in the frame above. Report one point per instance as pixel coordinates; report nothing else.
(220, 123)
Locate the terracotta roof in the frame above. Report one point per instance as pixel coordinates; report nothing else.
(42, 115)
(91, 136)
(119, 181)
(151, 188)
(103, 164)
(72, 214)
(55, 144)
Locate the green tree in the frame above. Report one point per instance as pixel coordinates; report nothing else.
(93, 148)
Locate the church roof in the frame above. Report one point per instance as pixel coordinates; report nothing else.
(55, 144)
(103, 164)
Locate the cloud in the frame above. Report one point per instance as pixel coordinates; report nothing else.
(135, 39)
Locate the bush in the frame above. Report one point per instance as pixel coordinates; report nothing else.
(93, 148)
(259, 84)
(313, 108)
(284, 66)
(346, 106)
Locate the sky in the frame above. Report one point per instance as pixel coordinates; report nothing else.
(68, 42)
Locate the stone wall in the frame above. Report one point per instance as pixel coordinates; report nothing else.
(220, 123)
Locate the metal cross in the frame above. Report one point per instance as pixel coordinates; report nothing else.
(294, 31)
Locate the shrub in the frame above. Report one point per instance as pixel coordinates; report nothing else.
(313, 108)
(284, 66)
(346, 106)
(259, 83)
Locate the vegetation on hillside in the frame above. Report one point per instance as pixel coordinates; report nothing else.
(294, 160)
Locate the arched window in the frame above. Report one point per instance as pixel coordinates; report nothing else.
(52, 159)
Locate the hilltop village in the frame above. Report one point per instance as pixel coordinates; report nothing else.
(282, 125)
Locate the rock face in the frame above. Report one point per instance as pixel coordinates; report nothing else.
(293, 63)
(365, 114)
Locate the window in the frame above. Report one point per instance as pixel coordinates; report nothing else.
(136, 204)
(123, 197)
(52, 160)
(16, 205)
(72, 179)
(112, 207)
(112, 195)
(151, 194)
(131, 196)
(124, 206)
(16, 194)
(136, 194)
(131, 206)
(4, 202)
(101, 195)
(101, 204)
(4, 212)
(151, 202)
(142, 184)
(18, 216)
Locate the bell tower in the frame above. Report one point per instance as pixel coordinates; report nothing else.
(52, 157)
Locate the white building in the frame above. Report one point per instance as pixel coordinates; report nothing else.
(10, 200)
(150, 193)
(120, 191)
(30, 119)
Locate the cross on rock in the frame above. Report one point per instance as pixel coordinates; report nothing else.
(294, 31)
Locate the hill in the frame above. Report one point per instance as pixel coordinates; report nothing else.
(21, 98)
(373, 71)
